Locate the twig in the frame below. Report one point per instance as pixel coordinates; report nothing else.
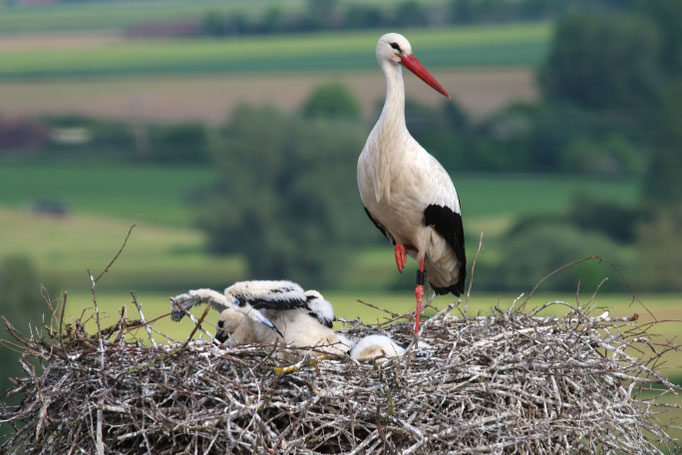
(120, 250)
(144, 321)
(471, 278)
(61, 320)
(196, 327)
(99, 327)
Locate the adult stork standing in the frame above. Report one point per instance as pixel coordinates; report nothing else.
(405, 191)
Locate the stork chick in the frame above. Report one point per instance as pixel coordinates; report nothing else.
(300, 319)
(245, 323)
(373, 346)
(299, 330)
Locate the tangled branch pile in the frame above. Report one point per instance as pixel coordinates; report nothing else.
(509, 383)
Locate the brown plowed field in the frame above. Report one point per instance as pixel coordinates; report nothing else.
(210, 97)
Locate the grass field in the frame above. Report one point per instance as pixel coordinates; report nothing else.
(137, 193)
(156, 194)
(166, 249)
(156, 257)
(499, 45)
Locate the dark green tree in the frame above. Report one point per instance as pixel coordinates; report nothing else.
(183, 143)
(286, 198)
(659, 251)
(532, 253)
(667, 14)
(462, 11)
(332, 100)
(604, 62)
(20, 302)
(213, 23)
(20, 299)
(321, 12)
(662, 185)
(411, 13)
(364, 16)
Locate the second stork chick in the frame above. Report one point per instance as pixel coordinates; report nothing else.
(376, 346)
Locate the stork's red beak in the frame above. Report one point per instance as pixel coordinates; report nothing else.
(412, 64)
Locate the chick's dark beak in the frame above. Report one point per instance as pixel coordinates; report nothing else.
(221, 336)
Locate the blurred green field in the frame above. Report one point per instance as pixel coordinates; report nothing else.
(473, 46)
(166, 249)
(156, 194)
(156, 257)
(137, 193)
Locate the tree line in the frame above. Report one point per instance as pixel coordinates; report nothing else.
(335, 15)
(319, 15)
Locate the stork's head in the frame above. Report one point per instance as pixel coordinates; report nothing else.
(235, 314)
(394, 47)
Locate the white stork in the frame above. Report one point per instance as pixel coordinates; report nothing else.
(269, 311)
(405, 191)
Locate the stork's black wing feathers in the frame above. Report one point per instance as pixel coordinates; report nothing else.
(379, 226)
(448, 223)
(283, 297)
(275, 302)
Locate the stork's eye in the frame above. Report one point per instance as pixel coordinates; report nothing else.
(396, 47)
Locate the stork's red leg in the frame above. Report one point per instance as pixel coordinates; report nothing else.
(419, 292)
(400, 256)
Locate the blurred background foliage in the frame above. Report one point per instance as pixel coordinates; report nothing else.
(283, 197)
(270, 192)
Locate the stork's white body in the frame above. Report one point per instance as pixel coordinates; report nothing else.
(299, 330)
(398, 180)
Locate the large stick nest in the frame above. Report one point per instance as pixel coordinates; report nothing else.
(513, 382)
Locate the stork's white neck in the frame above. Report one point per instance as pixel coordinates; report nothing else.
(385, 146)
(392, 119)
